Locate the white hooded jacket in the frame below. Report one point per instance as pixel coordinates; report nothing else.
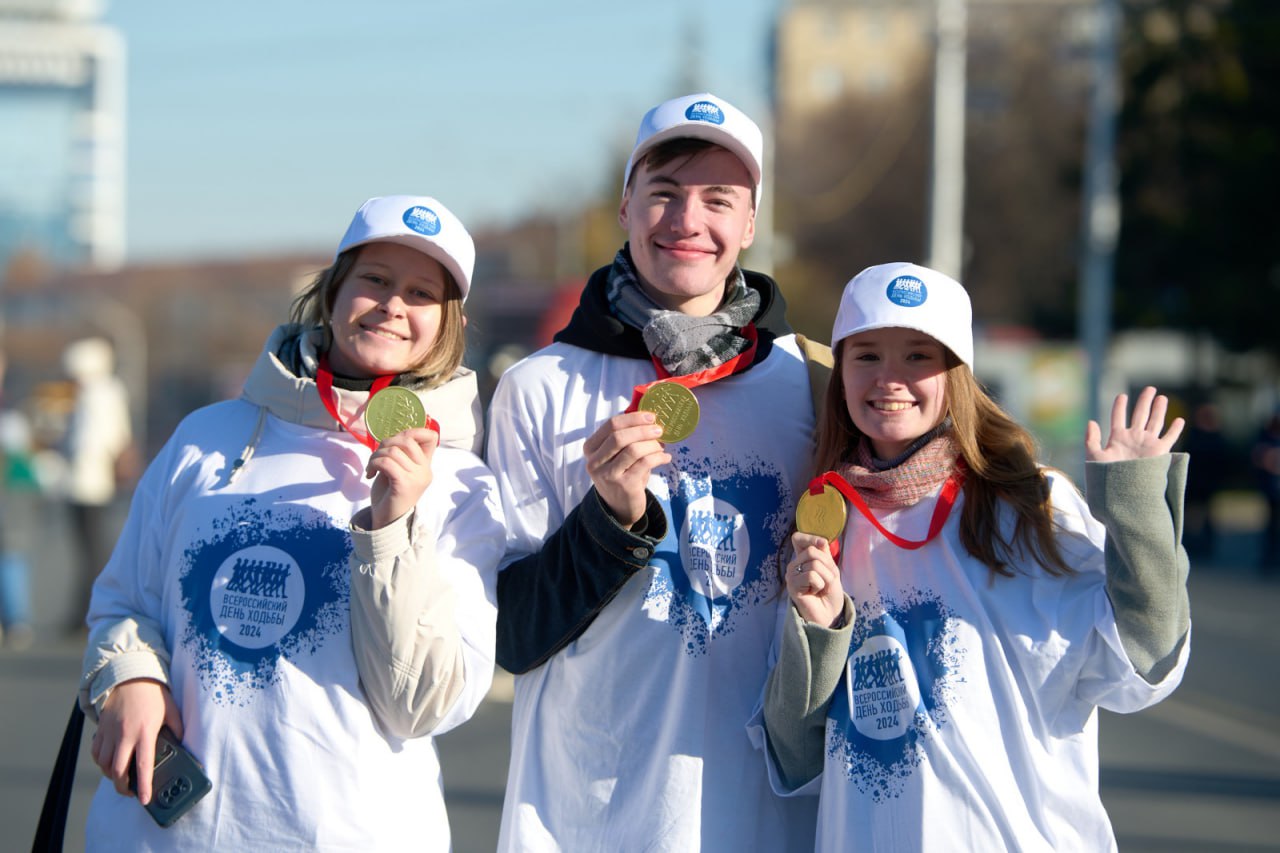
(309, 657)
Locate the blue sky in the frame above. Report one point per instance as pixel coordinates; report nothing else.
(259, 126)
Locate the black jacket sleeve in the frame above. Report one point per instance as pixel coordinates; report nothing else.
(548, 598)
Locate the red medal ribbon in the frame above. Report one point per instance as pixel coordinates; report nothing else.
(324, 384)
(941, 510)
(737, 364)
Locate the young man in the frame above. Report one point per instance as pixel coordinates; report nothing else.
(639, 595)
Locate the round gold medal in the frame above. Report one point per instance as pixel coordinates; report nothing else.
(393, 410)
(675, 407)
(822, 515)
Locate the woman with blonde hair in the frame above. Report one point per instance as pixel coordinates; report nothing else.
(304, 590)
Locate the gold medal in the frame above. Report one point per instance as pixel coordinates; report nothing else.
(393, 410)
(822, 515)
(675, 407)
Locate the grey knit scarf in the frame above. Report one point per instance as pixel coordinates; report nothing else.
(683, 344)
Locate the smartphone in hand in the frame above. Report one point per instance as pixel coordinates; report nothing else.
(177, 782)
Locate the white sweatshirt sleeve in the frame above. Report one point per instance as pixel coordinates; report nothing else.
(126, 624)
(423, 602)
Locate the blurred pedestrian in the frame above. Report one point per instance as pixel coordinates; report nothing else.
(304, 589)
(1266, 467)
(98, 439)
(1210, 460)
(18, 492)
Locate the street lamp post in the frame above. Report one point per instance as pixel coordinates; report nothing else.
(1100, 202)
(946, 202)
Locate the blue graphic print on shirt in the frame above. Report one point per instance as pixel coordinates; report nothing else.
(717, 560)
(894, 692)
(267, 584)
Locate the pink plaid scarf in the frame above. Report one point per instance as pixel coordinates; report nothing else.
(908, 482)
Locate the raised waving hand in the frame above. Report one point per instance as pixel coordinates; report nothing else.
(1145, 434)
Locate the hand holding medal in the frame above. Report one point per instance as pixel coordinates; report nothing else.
(401, 461)
(813, 576)
(393, 410)
(622, 453)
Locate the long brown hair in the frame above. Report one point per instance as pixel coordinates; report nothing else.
(314, 307)
(1000, 455)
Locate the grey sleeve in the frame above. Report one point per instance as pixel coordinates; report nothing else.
(799, 690)
(1140, 502)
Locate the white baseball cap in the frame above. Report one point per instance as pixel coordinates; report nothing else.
(701, 116)
(908, 296)
(419, 222)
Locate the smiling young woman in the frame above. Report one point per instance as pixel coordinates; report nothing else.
(387, 311)
(390, 289)
(295, 573)
(939, 671)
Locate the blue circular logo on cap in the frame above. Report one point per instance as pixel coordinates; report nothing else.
(907, 291)
(423, 220)
(705, 111)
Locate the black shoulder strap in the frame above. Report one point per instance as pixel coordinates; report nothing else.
(53, 817)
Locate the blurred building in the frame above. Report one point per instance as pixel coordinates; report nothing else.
(853, 95)
(62, 132)
(830, 50)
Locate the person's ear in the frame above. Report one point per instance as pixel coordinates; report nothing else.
(622, 208)
(749, 233)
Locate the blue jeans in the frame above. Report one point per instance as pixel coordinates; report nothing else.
(15, 590)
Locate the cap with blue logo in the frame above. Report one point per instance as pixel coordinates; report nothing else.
(701, 116)
(419, 222)
(908, 296)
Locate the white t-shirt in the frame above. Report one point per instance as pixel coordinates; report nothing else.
(248, 582)
(633, 736)
(966, 715)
